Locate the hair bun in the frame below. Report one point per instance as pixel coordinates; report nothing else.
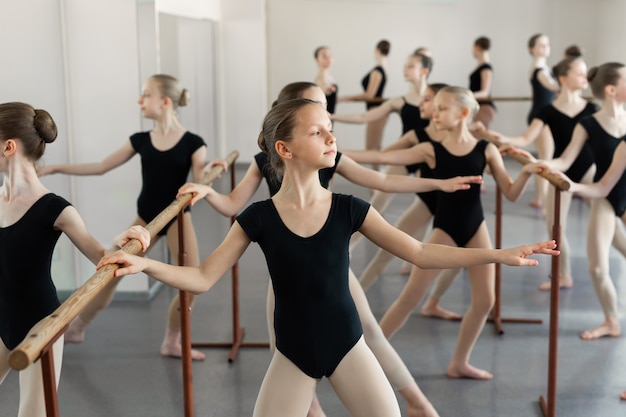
(591, 74)
(45, 126)
(261, 143)
(184, 98)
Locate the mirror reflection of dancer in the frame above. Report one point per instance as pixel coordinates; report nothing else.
(481, 80)
(304, 232)
(31, 221)
(324, 59)
(169, 145)
(459, 218)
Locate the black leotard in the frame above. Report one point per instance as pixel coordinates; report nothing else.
(331, 100)
(162, 173)
(27, 293)
(476, 82)
(541, 96)
(459, 214)
(315, 318)
(325, 174)
(603, 146)
(412, 120)
(379, 93)
(430, 197)
(562, 127)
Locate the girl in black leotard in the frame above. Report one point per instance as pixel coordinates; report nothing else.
(481, 80)
(373, 88)
(561, 117)
(304, 231)
(324, 59)
(544, 87)
(459, 219)
(230, 205)
(31, 221)
(602, 133)
(168, 153)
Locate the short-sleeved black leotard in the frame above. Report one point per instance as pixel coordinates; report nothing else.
(379, 93)
(315, 318)
(325, 174)
(411, 120)
(476, 82)
(162, 173)
(562, 126)
(603, 146)
(541, 96)
(430, 197)
(27, 293)
(459, 214)
(331, 100)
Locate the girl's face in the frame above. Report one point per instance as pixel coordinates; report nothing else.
(316, 94)
(413, 69)
(151, 102)
(576, 77)
(447, 114)
(541, 48)
(313, 144)
(324, 58)
(426, 105)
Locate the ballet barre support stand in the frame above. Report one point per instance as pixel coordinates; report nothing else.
(238, 331)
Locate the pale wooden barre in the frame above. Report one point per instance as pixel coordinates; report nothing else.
(51, 326)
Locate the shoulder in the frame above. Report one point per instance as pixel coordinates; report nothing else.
(55, 202)
(486, 66)
(353, 207)
(139, 138)
(194, 140)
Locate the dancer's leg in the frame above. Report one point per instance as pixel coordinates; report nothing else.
(171, 341)
(431, 307)
(374, 135)
(286, 391)
(361, 385)
(32, 400)
(75, 333)
(412, 221)
(599, 235)
(394, 368)
(482, 281)
(619, 238)
(545, 150)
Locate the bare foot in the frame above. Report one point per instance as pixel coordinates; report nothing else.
(75, 333)
(467, 371)
(423, 410)
(622, 396)
(606, 329)
(536, 204)
(316, 408)
(436, 311)
(176, 351)
(565, 283)
(405, 269)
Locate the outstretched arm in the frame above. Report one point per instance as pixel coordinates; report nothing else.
(114, 160)
(511, 189)
(407, 140)
(427, 256)
(70, 223)
(532, 133)
(370, 178)
(231, 204)
(422, 152)
(371, 115)
(376, 77)
(569, 155)
(548, 81)
(193, 279)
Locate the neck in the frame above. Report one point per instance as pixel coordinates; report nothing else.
(483, 58)
(20, 179)
(167, 123)
(613, 108)
(567, 95)
(299, 187)
(381, 60)
(459, 133)
(419, 86)
(540, 61)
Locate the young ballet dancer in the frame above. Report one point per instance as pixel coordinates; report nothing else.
(459, 219)
(602, 133)
(31, 220)
(304, 232)
(481, 80)
(544, 87)
(324, 59)
(260, 169)
(169, 145)
(561, 117)
(373, 87)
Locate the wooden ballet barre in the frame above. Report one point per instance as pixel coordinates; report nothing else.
(50, 327)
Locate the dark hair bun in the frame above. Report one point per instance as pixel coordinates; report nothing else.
(591, 74)
(261, 143)
(45, 126)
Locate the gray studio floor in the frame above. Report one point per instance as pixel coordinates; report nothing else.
(118, 371)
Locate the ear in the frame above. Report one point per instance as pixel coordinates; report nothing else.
(282, 149)
(10, 147)
(610, 90)
(167, 102)
(465, 112)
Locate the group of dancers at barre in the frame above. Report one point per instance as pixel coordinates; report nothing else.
(319, 320)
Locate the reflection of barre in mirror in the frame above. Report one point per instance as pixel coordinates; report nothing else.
(302, 127)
